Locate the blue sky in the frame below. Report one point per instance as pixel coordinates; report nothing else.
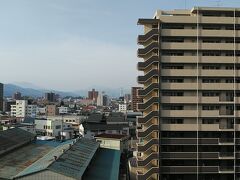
(76, 44)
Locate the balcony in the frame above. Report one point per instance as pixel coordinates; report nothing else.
(143, 106)
(202, 59)
(189, 169)
(144, 51)
(179, 72)
(152, 73)
(146, 132)
(149, 89)
(202, 20)
(148, 144)
(146, 174)
(178, 86)
(152, 60)
(179, 99)
(147, 36)
(190, 155)
(202, 33)
(144, 161)
(190, 141)
(143, 120)
(178, 113)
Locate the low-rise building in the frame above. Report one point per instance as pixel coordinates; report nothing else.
(122, 107)
(19, 109)
(54, 127)
(113, 141)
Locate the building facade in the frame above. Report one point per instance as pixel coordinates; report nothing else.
(191, 95)
(19, 109)
(135, 98)
(93, 95)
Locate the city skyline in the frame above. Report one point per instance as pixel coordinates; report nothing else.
(75, 45)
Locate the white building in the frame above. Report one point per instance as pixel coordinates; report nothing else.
(54, 127)
(41, 110)
(31, 110)
(100, 99)
(63, 110)
(122, 107)
(19, 109)
(113, 141)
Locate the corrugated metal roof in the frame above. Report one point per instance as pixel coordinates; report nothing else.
(72, 162)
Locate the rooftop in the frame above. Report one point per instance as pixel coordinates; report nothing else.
(71, 161)
(107, 170)
(111, 136)
(16, 161)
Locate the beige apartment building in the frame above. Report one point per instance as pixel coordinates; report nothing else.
(190, 128)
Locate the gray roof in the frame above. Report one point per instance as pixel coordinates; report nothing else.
(72, 161)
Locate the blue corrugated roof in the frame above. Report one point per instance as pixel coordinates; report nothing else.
(105, 165)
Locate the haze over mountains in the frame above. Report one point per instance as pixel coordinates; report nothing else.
(28, 89)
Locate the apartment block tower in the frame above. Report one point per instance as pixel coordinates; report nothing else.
(190, 128)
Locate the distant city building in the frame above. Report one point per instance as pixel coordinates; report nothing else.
(106, 100)
(51, 110)
(53, 126)
(93, 95)
(63, 110)
(17, 96)
(100, 99)
(19, 109)
(122, 107)
(1, 97)
(127, 98)
(50, 97)
(32, 110)
(41, 111)
(135, 98)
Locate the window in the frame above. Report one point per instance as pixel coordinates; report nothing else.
(210, 94)
(164, 66)
(168, 80)
(211, 80)
(169, 107)
(172, 93)
(58, 127)
(210, 108)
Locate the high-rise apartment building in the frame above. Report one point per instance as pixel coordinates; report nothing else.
(50, 97)
(190, 128)
(93, 95)
(135, 98)
(1, 97)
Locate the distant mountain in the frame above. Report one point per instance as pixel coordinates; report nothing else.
(10, 89)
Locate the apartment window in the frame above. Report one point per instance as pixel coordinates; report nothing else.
(172, 80)
(211, 41)
(211, 53)
(167, 93)
(211, 67)
(229, 80)
(229, 67)
(210, 94)
(172, 53)
(169, 107)
(211, 27)
(170, 39)
(172, 26)
(210, 108)
(208, 121)
(211, 80)
(165, 66)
